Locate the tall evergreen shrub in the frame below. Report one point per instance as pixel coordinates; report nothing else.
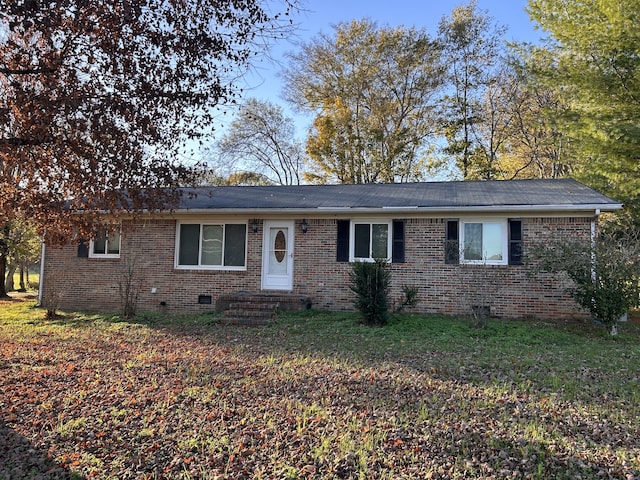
(370, 283)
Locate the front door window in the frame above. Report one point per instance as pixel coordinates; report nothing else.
(279, 251)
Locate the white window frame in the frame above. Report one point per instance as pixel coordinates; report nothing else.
(368, 221)
(93, 254)
(202, 223)
(504, 224)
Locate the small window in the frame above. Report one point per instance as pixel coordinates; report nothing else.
(105, 245)
(370, 241)
(483, 242)
(211, 246)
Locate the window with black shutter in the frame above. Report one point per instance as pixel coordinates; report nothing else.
(515, 242)
(365, 240)
(83, 249)
(342, 241)
(397, 247)
(451, 244)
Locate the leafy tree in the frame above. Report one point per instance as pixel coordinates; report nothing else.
(535, 146)
(473, 51)
(605, 275)
(372, 90)
(592, 61)
(491, 132)
(100, 98)
(262, 141)
(23, 249)
(210, 177)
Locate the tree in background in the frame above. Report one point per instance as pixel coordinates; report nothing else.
(592, 64)
(260, 144)
(535, 147)
(373, 92)
(23, 250)
(473, 52)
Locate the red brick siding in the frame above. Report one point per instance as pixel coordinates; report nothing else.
(510, 291)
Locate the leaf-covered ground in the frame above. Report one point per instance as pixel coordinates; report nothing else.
(315, 396)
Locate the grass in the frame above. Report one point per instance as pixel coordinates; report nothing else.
(316, 395)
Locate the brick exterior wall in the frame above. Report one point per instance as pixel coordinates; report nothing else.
(148, 249)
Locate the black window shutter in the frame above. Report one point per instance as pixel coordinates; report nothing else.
(397, 245)
(342, 242)
(83, 248)
(451, 244)
(515, 242)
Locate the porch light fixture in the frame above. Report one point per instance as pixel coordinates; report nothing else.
(254, 225)
(304, 225)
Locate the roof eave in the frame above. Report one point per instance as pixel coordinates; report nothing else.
(585, 208)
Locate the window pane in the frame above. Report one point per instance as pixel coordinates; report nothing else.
(189, 239)
(113, 244)
(234, 245)
(472, 241)
(362, 240)
(492, 241)
(380, 237)
(211, 245)
(100, 245)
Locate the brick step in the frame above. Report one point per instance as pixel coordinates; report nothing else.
(284, 301)
(253, 306)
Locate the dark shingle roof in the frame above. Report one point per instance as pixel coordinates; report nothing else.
(527, 194)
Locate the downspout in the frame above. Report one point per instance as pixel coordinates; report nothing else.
(594, 232)
(594, 228)
(41, 279)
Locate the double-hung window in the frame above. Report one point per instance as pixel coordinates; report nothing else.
(105, 245)
(370, 240)
(484, 241)
(497, 241)
(211, 246)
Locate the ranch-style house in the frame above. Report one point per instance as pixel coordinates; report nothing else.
(461, 244)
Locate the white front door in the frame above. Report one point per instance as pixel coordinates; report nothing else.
(277, 255)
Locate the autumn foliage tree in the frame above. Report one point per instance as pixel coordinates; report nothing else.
(100, 98)
(372, 90)
(473, 51)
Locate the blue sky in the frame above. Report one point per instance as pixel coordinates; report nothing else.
(320, 15)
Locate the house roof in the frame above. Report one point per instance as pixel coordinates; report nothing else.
(500, 195)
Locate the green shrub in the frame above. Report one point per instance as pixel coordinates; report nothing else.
(605, 273)
(409, 297)
(370, 283)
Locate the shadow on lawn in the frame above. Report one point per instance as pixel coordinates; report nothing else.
(19, 459)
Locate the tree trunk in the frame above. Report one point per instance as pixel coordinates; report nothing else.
(8, 282)
(3, 273)
(23, 287)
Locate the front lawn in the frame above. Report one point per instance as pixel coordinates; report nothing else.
(315, 395)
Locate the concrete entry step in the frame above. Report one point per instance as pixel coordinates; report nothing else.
(252, 309)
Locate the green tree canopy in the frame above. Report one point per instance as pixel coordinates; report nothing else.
(593, 61)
